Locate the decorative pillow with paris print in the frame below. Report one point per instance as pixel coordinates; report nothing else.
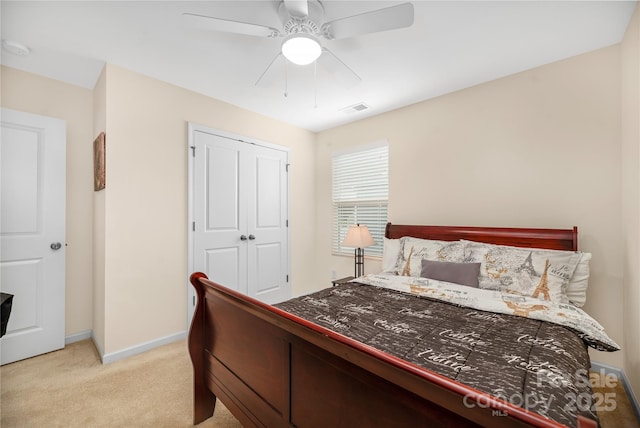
(536, 273)
(413, 250)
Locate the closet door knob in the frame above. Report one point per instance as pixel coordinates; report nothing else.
(251, 237)
(243, 237)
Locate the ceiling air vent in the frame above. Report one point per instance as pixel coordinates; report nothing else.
(355, 108)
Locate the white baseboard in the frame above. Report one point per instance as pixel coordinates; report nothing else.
(77, 337)
(128, 352)
(97, 346)
(619, 373)
(139, 349)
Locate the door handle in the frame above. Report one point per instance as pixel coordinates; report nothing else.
(243, 237)
(55, 246)
(251, 237)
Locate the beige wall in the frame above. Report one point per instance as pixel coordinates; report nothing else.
(630, 61)
(99, 125)
(536, 149)
(145, 208)
(35, 94)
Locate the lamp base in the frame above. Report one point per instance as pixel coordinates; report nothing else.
(359, 262)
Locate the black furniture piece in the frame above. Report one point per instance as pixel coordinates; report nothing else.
(6, 300)
(341, 281)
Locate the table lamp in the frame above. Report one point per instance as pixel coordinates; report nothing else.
(358, 237)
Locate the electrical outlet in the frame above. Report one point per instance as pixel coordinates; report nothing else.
(333, 274)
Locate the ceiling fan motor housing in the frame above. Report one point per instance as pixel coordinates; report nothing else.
(302, 24)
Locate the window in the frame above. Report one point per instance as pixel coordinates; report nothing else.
(360, 194)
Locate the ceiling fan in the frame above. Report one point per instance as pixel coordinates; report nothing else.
(303, 28)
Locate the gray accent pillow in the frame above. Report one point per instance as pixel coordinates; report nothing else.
(458, 273)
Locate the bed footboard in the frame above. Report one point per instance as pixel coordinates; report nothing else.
(273, 369)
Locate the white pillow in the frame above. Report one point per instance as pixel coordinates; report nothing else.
(390, 251)
(577, 288)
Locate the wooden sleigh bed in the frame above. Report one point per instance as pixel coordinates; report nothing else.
(273, 369)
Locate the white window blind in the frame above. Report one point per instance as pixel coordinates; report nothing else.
(360, 195)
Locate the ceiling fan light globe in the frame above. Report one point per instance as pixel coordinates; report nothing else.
(301, 49)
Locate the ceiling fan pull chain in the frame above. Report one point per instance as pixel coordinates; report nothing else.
(286, 81)
(315, 84)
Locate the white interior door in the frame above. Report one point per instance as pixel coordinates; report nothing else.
(239, 213)
(32, 232)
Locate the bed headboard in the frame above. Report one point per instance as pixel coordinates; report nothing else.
(553, 239)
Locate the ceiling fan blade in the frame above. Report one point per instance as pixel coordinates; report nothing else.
(228, 26)
(338, 69)
(390, 18)
(299, 8)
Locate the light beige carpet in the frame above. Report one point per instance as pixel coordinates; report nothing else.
(71, 388)
(614, 407)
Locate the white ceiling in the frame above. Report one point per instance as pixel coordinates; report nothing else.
(451, 45)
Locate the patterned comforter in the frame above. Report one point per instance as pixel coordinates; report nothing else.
(532, 363)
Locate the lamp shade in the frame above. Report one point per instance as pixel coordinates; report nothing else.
(358, 237)
(301, 48)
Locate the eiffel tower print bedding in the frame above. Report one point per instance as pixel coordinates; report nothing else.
(527, 351)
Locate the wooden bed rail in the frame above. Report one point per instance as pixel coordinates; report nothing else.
(271, 368)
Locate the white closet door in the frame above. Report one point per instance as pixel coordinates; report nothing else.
(239, 210)
(220, 214)
(268, 263)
